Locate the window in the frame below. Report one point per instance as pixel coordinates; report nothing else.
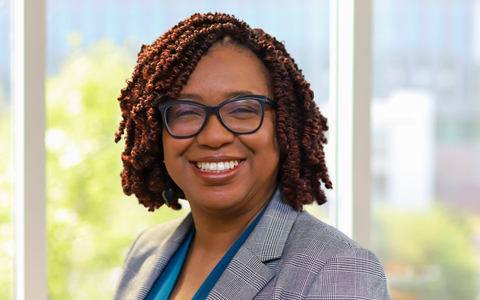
(6, 228)
(424, 132)
(425, 120)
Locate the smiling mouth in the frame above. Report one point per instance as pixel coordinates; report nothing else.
(217, 167)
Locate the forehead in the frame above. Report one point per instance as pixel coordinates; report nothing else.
(225, 70)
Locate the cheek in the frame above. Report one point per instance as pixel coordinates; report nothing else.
(173, 150)
(274, 145)
(271, 121)
(266, 142)
(166, 143)
(269, 144)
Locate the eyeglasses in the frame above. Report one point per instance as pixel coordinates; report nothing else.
(241, 115)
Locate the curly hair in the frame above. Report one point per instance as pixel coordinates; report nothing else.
(164, 67)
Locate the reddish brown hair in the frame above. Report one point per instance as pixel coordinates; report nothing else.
(162, 70)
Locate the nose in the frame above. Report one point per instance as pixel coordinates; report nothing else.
(214, 134)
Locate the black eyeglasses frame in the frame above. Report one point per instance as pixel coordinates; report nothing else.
(162, 107)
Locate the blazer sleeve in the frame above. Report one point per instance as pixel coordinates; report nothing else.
(352, 274)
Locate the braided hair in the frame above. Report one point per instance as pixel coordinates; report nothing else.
(164, 67)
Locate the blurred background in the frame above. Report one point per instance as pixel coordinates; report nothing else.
(425, 135)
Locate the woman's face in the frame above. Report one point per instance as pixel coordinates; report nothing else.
(222, 74)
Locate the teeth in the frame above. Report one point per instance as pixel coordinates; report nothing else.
(218, 167)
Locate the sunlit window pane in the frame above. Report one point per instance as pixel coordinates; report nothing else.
(426, 143)
(6, 228)
(92, 48)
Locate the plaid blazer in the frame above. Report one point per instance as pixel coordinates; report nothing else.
(289, 255)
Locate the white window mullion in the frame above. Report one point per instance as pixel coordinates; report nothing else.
(28, 86)
(350, 88)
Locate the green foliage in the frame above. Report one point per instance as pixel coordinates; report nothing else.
(90, 221)
(6, 234)
(431, 252)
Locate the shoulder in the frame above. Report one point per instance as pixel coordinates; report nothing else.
(152, 238)
(328, 245)
(325, 260)
(149, 253)
(310, 234)
(309, 228)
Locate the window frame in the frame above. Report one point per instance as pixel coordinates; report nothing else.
(29, 156)
(350, 99)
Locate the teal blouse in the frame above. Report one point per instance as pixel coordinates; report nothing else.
(164, 285)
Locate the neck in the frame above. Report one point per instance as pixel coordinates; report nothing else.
(216, 233)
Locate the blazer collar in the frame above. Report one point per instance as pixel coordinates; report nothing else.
(162, 253)
(247, 274)
(270, 235)
(246, 270)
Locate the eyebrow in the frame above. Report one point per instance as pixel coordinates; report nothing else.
(228, 96)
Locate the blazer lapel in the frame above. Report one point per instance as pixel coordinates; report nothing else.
(247, 274)
(155, 263)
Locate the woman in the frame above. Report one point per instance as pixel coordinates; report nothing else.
(219, 114)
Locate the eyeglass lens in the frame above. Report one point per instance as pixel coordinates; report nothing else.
(240, 116)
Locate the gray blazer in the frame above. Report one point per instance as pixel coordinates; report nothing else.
(289, 255)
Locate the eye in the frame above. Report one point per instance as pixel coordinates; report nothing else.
(185, 111)
(243, 108)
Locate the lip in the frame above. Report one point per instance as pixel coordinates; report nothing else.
(216, 158)
(217, 178)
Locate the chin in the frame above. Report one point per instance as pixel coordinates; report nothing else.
(216, 198)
